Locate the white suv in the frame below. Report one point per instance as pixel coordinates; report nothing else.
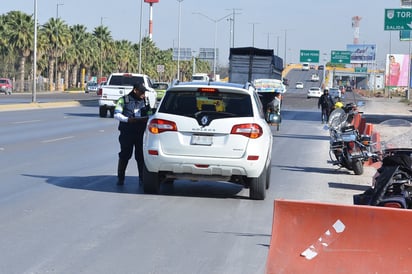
(211, 132)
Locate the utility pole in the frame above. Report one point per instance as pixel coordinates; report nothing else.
(233, 22)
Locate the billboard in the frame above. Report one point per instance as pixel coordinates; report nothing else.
(185, 54)
(406, 3)
(396, 72)
(362, 53)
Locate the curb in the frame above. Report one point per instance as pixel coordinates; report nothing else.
(27, 106)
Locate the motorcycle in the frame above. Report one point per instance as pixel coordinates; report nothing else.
(348, 148)
(392, 182)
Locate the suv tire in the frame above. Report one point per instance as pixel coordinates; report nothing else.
(257, 188)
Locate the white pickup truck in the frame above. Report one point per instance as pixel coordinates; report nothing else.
(120, 84)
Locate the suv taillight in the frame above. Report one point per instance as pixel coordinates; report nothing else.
(252, 131)
(157, 126)
(100, 92)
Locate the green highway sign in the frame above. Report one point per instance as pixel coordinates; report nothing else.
(398, 19)
(362, 70)
(310, 56)
(340, 57)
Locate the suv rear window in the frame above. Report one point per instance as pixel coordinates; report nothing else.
(125, 80)
(187, 103)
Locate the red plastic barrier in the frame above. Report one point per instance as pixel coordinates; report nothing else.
(321, 238)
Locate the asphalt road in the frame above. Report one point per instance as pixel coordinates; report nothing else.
(61, 211)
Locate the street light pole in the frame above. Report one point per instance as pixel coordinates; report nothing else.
(140, 37)
(33, 99)
(57, 41)
(101, 50)
(178, 41)
(214, 51)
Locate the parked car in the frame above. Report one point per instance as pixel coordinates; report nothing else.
(299, 85)
(314, 77)
(160, 88)
(209, 131)
(314, 92)
(91, 87)
(6, 86)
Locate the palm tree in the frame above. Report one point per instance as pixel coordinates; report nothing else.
(58, 36)
(20, 37)
(124, 55)
(79, 50)
(105, 40)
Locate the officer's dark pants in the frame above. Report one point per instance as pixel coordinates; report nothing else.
(129, 141)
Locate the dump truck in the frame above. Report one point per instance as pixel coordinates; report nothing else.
(249, 63)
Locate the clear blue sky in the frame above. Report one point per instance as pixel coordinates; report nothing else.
(322, 25)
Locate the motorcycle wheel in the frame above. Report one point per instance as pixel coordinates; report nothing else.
(357, 167)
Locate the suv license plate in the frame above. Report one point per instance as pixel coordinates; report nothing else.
(202, 140)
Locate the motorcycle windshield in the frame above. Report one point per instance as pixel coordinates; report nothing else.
(395, 134)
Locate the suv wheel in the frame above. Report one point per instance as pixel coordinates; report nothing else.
(257, 189)
(103, 111)
(151, 182)
(268, 172)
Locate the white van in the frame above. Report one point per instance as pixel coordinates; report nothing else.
(305, 66)
(200, 77)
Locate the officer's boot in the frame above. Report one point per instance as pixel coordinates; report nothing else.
(121, 170)
(140, 169)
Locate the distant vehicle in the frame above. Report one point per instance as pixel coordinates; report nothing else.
(249, 63)
(285, 81)
(120, 84)
(208, 131)
(335, 93)
(348, 89)
(299, 85)
(269, 85)
(314, 78)
(200, 77)
(160, 88)
(91, 87)
(321, 67)
(305, 66)
(6, 86)
(101, 84)
(314, 92)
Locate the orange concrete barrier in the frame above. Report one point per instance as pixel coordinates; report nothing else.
(362, 125)
(310, 237)
(356, 120)
(368, 129)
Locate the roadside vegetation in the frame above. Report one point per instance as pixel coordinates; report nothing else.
(78, 53)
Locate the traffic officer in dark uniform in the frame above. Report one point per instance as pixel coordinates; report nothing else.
(132, 112)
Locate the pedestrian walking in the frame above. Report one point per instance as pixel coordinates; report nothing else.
(326, 104)
(132, 112)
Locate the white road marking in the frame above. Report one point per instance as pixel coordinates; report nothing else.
(57, 139)
(26, 122)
